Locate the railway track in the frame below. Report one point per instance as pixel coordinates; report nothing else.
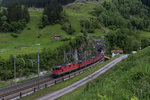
(29, 87)
(61, 92)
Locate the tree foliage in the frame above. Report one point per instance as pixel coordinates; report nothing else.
(146, 2)
(52, 14)
(13, 18)
(122, 39)
(67, 27)
(35, 3)
(48, 58)
(124, 18)
(124, 13)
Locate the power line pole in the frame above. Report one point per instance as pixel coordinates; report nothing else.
(38, 67)
(84, 27)
(64, 57)
(85, 56)
(15, 67)
(74, 55)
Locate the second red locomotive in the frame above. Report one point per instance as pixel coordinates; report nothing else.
(66, 68)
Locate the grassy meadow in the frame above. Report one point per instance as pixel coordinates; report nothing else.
(26, 40)
(129, 80)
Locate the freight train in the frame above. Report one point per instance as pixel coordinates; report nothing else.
(69, 67)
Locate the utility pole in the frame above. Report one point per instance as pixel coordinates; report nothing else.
(64, 57)
(75, 55)
(85, 56)
(32, 61)
(84, 27)
(15, 67)
(38, 67)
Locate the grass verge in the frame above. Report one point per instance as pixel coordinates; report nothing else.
(10, 82)
(66, 83)
(128, 80)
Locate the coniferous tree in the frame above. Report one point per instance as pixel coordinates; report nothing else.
(52, 13)
(13, 18)
(35, 3)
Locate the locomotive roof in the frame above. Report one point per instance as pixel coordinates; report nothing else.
(58, 66)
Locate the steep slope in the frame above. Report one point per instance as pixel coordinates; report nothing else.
(76, 12)
(25, 43)
(129, 80)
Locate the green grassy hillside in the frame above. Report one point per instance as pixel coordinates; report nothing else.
(129, 80)
(25, 43)
(27, 39)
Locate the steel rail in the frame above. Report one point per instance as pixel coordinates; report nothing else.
(56, 94)
(20, 90)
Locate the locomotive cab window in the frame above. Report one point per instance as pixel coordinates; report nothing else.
(80, 63)
(57, 68)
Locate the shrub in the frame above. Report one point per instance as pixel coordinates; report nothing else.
(14, 35)
(68, 28)
(66, 39)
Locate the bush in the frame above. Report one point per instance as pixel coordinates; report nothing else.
(14, 35)
(28, 28)
(145, 43)
(66, 39)
(68, 28)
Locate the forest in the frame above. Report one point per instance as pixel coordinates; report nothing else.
(35, 3)
(13, 18)
(124, 18)
(146, 2)
(52, 14)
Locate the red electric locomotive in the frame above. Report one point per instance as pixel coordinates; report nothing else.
(66, 68)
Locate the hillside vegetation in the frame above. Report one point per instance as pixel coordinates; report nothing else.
(96, 16)
(91, 18)
(125, 19)
(129, 80)
(14, 18)
(32, 34)
(34, 3)
(146, 2)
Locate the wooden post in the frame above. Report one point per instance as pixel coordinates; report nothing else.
(45, 85)
(20, 94)
(34, 89)
(55, 81)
